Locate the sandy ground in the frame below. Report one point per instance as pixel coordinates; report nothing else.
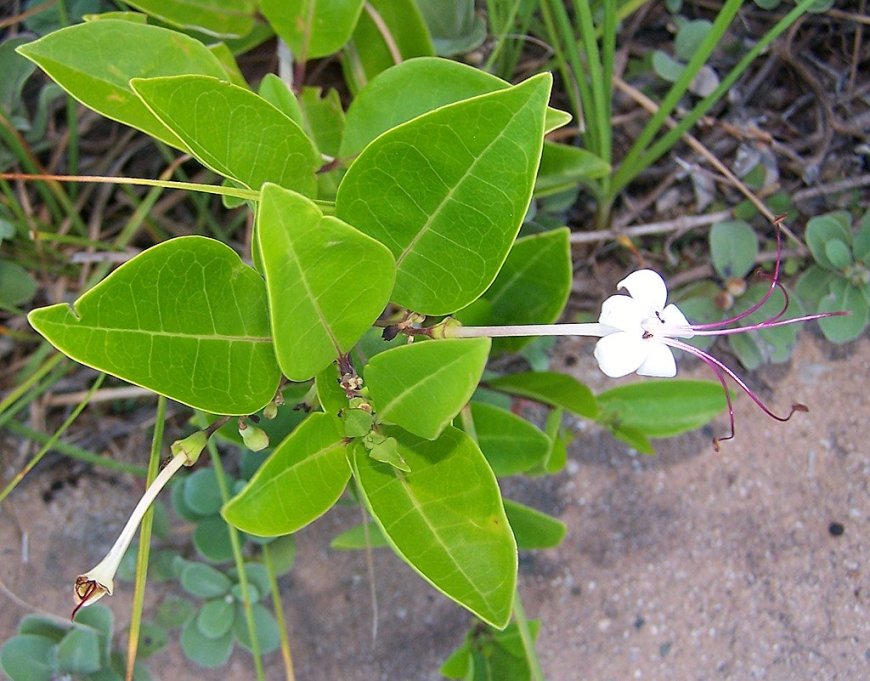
(686, 565)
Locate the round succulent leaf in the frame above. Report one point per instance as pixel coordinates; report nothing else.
(39, 625)
(28, 657)
(206, 652)
(253, 593)
(861, 240)
(733, 248)
(233, 131)
(202, 493)
(152, 637)
(422, 386)
(212, 540)
(257, 576)
(264, 624)
(99, 618)
(825, 228)
(843, 296)
(447, 192)
(666, 66)
(282, 552)
(186, 319)
(327, 282)
(689, 38)
(79, 652)
(838, 254)
(180, 505)
(204, 581)
(131, 50)
(215, 618)
(173, 612)
(16, 285)
(445, 519)
(301, 480)
(814, 284)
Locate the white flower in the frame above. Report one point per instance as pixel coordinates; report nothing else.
(642, 327)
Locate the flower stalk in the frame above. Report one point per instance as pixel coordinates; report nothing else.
(99, 580)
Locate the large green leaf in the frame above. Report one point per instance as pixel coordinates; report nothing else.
(445, 519)
(510, 444)
(222, 18)
(186, 319)
(233, 131)
(299, 482)
(422, 386)
(563, 167)
(312, 28)
(662, 408)
(532, 528)
(371, 51)
(448, 191)
(532, 286)
(559, 390)
(327, 282)
(415, 87)
(95, 61)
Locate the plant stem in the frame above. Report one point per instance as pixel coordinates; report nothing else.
(591, 329)
(526, 637)
(24, 386)
(279, 614)
(144, 542)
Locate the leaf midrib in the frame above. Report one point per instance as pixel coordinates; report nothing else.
(168, 334)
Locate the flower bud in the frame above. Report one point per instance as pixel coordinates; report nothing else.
(254, 438)
(191, 447)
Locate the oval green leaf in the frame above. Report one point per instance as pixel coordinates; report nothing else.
(215, 618)
(204, 581)
(413, 88)
(662, 408)
(299, 482)
(733, 248)
(824, 228)
(327, 282)
(558, 390)
(233, 131)
(510, 444)
(422, 386)
(532, 528)
(206, 652)
(448, 191)
(445, 519)
(186, 319)
(312, 28)
(95, 61)
(843, 296)
(221, 18)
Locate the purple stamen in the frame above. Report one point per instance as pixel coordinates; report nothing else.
(766, 324)
(721, 370)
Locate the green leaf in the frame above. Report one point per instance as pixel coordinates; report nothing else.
(298, 483)
(838, 254)
(445, 519)
(16, 70)
(233, 131)
(173, 612)
(101, 620)
(689, 37)
(152, 638)
(202, 493)
(16, 285)
(211, 538)
(454, 25)
(215, 618)
(283, 550)
(532, 528)
(563, 167)
(95, 61)
(186, 319)
(532, 286)
(221, 18)
(733, 248)
(204, 581)
(264, 624)
(413, 88)
(330, 394)
(312, 28)
(356, 538)
(422, 386)
(324, 118)
(206, 652)
(824, 228)
(814, 285)
(510, 444)
(327, 282)
(849, 298)
(28, 658)
(79, 652)
(662, 408)
(481, 152)
(666, 66)
(278, 94)
(861, 240)
(369, 52)
(386, 450)
(558, 390)
(42, 626)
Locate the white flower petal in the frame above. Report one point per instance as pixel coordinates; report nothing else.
(659, 361)
(623, 313)
(619, 354)
(646, 287)
(676, 322)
